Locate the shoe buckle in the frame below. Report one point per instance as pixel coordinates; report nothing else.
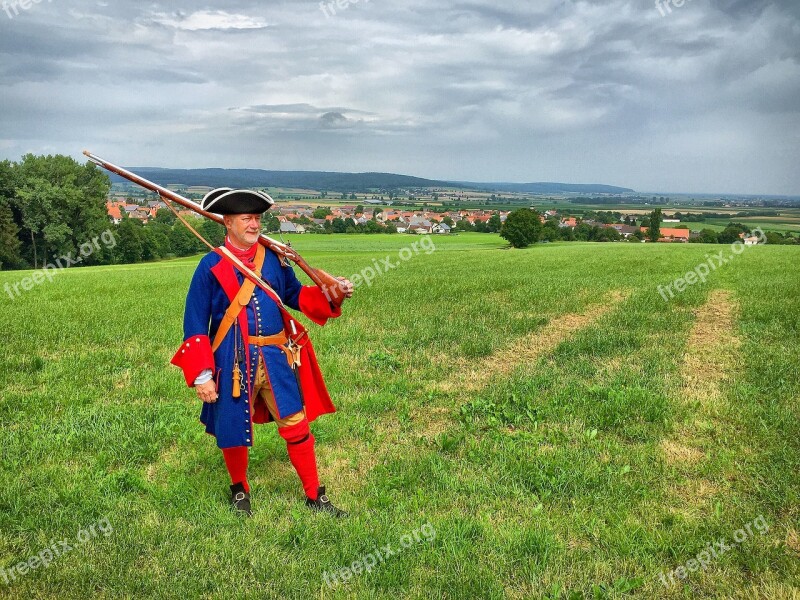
(239, 497)
(324, 499)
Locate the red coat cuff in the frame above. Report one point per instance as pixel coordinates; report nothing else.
(315, 305)
(193, 356)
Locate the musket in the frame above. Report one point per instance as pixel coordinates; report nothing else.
(331, 286)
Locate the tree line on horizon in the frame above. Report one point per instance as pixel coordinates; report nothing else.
(524, 227)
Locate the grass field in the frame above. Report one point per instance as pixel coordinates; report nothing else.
(551, 426)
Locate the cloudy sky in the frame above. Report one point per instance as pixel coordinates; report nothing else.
(702, 98)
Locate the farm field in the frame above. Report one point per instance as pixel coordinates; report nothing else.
(780, 224)
(542, 421)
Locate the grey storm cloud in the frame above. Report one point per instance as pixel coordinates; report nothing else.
(701, 99)
(333, 120)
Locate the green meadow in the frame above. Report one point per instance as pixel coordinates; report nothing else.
(532, 423)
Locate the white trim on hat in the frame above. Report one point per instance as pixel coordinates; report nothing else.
(219, 191)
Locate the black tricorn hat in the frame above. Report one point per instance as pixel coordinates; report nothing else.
(227, 201)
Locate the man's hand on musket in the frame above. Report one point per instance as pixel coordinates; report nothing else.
(207, 392)
(346, 286)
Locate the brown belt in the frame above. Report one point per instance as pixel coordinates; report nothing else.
(268, 340)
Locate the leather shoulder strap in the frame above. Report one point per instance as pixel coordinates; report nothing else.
(242, 299)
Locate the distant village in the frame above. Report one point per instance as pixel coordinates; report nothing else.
(300, 218)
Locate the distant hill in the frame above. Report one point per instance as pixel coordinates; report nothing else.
(346, 182)
(254, 178)
(551, 188)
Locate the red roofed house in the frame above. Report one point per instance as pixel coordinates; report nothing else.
(571, 222)
(672, 235)
(113, 213)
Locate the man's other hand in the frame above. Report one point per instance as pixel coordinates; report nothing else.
(207, 392)
(346, 286)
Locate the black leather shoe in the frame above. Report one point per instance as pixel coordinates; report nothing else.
(323, 504)
(240, 500)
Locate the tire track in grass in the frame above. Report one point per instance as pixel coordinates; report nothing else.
(708, 362)
(474, 375)
(468, 376)
(711, 348)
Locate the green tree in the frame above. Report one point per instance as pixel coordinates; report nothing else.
(372, 227)
(61, 204)
(607, 234)
(464, 225)
(321, 212)
(9, 230)
(130, 246)
(731, 233)
(270, 223)
(157, 239)
(654, 229)
(551, 231)
(166, 216)
(212, 231)
(708, 236)
(522, 228)
(494, 224)
(9, 242)
(150, 246)
(182, 241)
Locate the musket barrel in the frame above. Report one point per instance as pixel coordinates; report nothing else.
(329, 284)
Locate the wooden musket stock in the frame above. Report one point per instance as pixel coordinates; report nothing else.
(329, 284)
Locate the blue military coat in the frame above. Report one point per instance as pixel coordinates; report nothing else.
(213, 285)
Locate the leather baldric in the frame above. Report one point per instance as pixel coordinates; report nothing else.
(242, 299)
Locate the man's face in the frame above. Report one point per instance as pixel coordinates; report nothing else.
(243, 229)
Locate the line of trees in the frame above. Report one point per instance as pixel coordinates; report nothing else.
(523, 227)
(163, 237)
(732, 232)
(51, 205)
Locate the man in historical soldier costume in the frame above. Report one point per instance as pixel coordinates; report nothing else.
(248, 359)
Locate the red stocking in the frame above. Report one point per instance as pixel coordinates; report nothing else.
(300, 444)
(236, 461)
